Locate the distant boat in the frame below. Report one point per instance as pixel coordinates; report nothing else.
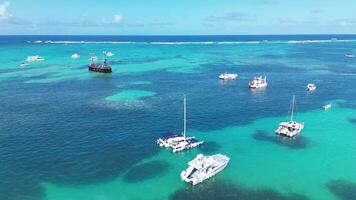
(35, 58)
(109, 54)
(226, 76)
(290, 128)
(179, 142)
(75, 56)
(204, 167)
(23, 64)
(101, 68)
(258, 82)
(311, 87)
(349, 55)
(327, 106)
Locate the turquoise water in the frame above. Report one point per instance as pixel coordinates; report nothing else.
(67, 133)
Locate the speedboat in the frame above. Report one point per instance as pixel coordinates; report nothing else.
(109, 54)
(35, 58)
(311, 87)
(23, 64)
(179, 142)
(226, 76)
(290, 128)
(203, 167)
(258, 82)
(349, 55)
(75, 56)
(327, 106)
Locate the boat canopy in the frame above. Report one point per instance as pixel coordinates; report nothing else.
(170, 135)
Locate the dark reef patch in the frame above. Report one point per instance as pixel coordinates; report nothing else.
(343, 189)
(352, 120)
(146, 171)
(210, 147)
(224, 190)
(298, 142)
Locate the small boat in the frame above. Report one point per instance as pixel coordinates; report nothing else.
(35, 58)
(311, 87)
(258, 82)
(75, 56)
(101, 68)
(226, 76)
(23, 64)
(179, 142)
(290, 128)
(109, 54)
(204, 167)
(349, 55)
(327, 106)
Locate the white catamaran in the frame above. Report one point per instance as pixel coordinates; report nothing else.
(290, 128)
(179, 142)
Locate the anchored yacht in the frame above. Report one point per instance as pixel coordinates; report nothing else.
(75, 56)
(226, 76)
(311, 87)
(203, 167)
(349, 55)
(179, 142)
(327, 106)
(23, 64)
(35, 58)
(290, 128)
(258, 82)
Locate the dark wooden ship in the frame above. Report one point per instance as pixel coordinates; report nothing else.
(101, 68)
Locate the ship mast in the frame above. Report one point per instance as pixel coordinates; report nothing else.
(293, 102)
(185, 116)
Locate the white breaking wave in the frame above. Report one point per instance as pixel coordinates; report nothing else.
(195, 43)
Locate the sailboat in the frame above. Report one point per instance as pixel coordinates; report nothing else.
(290, 128)
(179, 142)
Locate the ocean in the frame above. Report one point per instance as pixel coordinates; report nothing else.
(70, 134)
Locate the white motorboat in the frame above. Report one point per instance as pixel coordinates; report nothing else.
(75, 56)
(258, 82)
(109, 54)
(203, 167)
(327, 106)
(311, 87)
(290, 128)
(23, 64)
(179, 142)
(226, 76)
(35, 58)
(349, 55)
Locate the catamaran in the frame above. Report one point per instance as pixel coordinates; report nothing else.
(179, 142)
(203, 167)
(290, 128)
(258, 82)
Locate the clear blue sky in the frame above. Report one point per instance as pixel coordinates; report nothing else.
(177, 17)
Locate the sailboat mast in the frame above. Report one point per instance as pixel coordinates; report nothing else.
(292, 113)
(185, 117)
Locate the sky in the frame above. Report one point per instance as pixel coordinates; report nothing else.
(176, 17)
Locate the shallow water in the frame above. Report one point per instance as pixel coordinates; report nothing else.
(67, 133)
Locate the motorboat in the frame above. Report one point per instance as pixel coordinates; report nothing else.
(179, 142)
(75, 56)
(23, 64)
(311, 87)
(226, 76)
(109, 54)
(290, 128)
(258, 82)
(349, 55)
(327, 106)
(35, 58)
(204, 167)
